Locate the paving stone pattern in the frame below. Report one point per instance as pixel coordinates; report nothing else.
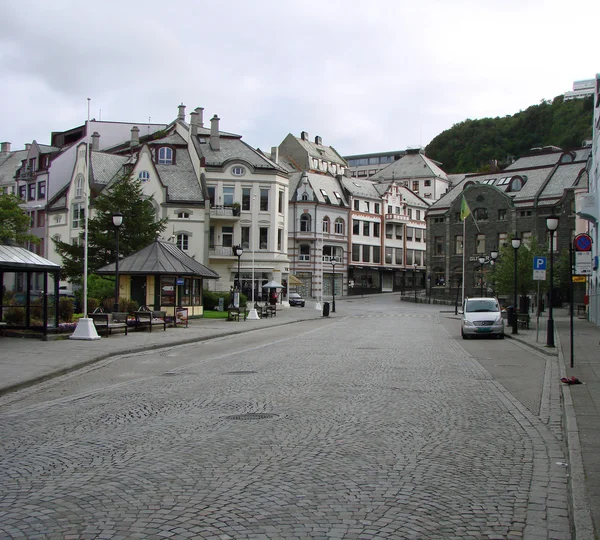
(383, 428)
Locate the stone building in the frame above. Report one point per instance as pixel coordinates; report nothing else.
(515, 201)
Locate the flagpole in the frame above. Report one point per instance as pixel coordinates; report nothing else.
(85, 329)
(464, 259)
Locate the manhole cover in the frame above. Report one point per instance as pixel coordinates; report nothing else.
(250, 416)
(241, 372)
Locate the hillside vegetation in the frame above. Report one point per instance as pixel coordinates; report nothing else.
(471, 145)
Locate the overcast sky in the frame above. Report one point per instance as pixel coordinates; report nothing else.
(365, 76)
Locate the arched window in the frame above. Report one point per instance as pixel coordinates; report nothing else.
(183, 242)
(326, 224)
(305, 223)
(79, 185)
(516, 184)
(165, 156)
(339, 226)
(304, 252)
(304, 196)
(144, 176)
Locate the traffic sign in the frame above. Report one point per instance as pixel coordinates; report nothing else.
(583, 263)
(539, 275)
(583, 242)
(579, 279)
(539, 263)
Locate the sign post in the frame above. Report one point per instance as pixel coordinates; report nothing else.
(539, 274)
(581, 266)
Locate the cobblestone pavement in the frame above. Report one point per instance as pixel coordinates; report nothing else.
(372, 424)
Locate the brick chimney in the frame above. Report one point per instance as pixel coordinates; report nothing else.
(181, 114)
(275, 154)
(200, 111)
(95, 141)
(214, 133)
(4, 149)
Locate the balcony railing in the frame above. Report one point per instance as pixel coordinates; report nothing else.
(224, 212)
(397, 217)
(27, 175)
(220, 251)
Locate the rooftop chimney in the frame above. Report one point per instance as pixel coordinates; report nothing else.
(200, 111)
(318, 140)
(181, 114)
(4, 149)
(95, 141)
(275, 154)
(27, 146)
(194, 124)
(304, 136)
(214, 133)
(135, 136)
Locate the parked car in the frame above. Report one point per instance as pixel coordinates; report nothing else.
(296, 300)
(482, 317)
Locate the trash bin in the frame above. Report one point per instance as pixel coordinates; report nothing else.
(510, 316)
(325, 309)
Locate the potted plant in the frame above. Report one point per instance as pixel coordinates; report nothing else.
(236, 208)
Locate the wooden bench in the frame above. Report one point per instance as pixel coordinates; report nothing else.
(149, 319)
(110, 321)
(523, 320)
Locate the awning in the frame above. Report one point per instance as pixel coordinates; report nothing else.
(273, 285)
(293, 281)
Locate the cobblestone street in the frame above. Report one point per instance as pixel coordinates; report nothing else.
(373, 424)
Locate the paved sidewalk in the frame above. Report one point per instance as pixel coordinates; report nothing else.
(24, 362)
(581, 408)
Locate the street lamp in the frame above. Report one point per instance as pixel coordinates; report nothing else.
(415, 280)
(551, 225)
(117, 220)
(237, 251)
(481, 263)
(494, 256)
(516, 244)
(333, 261)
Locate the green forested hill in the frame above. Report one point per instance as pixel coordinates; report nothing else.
(471, 145)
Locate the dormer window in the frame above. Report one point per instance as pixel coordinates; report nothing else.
(516, 184)
(144, 176)
(165, 156)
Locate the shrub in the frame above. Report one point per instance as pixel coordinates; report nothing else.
(92, 304)
(65, 309)
(130, 305)
(14, 315)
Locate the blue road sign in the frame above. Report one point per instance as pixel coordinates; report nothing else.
(539, 263)
(583, 242)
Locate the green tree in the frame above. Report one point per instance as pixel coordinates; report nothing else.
(139, 229)
(14, 222)
(504, 269)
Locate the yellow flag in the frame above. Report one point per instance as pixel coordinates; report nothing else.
(465, 211)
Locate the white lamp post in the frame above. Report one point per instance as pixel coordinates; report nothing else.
(551, 225)
(117, 220)
(253, 314)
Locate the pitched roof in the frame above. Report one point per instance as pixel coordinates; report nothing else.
(321, 151)
(10, 165)
(360, 188)
(106, 166)
(411, 165)
(160, 257)
(232, 149)
(16, 259)
(180, 179)
(319, 183)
